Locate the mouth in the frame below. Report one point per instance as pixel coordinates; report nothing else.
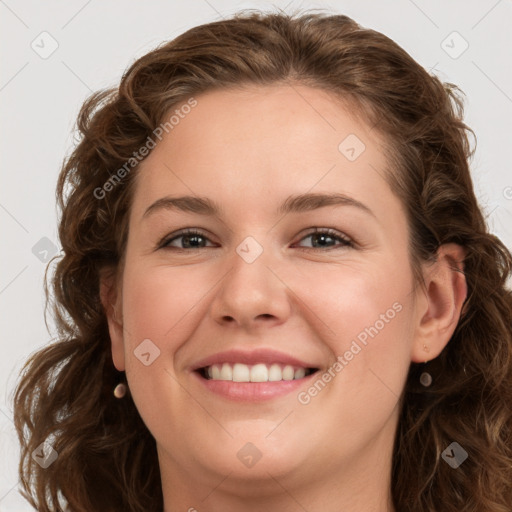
(260, 372)
(252, 376)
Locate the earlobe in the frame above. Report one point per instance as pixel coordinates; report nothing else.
(110, 297)
(446, 291)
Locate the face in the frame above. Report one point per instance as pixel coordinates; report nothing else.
(299, 274)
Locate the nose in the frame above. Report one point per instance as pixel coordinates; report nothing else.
(251, 295)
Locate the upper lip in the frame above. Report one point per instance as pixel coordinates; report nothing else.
(261, 355)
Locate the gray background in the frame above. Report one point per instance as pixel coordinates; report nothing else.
(40, 96)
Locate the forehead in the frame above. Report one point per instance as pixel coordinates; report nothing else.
(263, 142)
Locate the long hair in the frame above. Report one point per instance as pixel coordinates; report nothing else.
(107, 459)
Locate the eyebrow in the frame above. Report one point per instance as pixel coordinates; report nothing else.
(293, 204)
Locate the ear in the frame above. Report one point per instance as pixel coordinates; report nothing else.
(111, 300)
(440, 306)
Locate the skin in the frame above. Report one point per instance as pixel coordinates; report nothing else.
(248, 150)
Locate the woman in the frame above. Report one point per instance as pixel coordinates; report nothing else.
(278, 290)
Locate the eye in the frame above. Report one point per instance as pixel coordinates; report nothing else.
(323, 238)
(190, 239)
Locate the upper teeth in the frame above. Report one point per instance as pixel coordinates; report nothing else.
(239, 372)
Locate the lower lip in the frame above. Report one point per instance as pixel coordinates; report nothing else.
(252, 391)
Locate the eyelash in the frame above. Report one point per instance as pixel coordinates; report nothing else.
(345, 241)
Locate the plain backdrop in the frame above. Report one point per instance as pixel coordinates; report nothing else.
(54, 54)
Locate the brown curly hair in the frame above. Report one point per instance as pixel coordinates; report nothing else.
(107, 459)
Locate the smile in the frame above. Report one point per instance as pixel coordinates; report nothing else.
(253, 375)
(261, 372)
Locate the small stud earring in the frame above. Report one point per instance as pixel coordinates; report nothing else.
(120, 390)
(427, 350)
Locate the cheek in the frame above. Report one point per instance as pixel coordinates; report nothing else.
(359, 393)
(359, 304)
(159, 305)
(157, 301)
(369, 332)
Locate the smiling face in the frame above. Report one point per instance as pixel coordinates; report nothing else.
(255, 293)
